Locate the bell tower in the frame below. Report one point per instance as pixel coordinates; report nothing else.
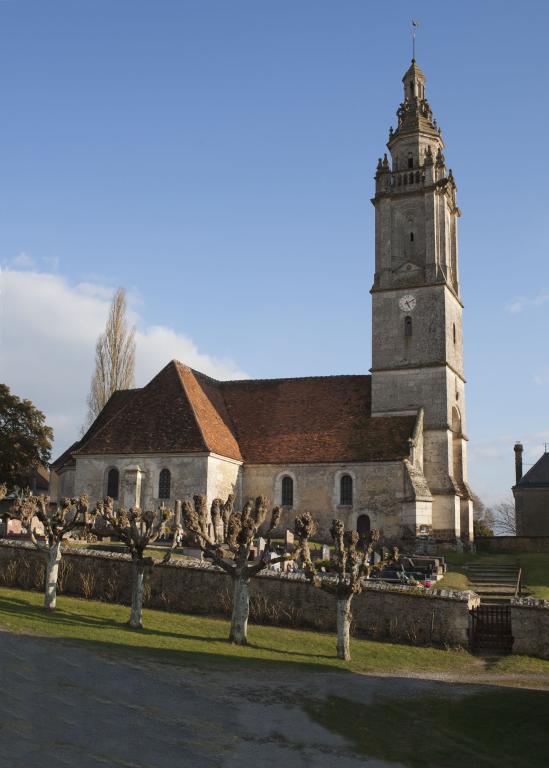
(417, 346)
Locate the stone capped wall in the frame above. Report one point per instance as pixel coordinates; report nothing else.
(512, 544)
(398, 613)
(530, 626)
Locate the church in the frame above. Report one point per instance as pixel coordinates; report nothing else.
(386, 450)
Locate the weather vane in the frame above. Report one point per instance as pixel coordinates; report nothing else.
(415, 25)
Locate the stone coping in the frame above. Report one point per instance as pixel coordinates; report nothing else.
(371, 586)
(529, 602)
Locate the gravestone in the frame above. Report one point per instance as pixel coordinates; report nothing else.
(288, 541)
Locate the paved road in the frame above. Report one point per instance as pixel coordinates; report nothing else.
(66, 705)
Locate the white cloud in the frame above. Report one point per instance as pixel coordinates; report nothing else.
(518, 305)
(48, 330)
(23, 261)
(542, 378)
(52, 262)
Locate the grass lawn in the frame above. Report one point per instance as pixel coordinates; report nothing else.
(481, 728)
(190, 639)
(535, 568)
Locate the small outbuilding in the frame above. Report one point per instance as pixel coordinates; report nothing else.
(531, 493)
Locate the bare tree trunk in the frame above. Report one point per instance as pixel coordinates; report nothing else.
(344, 627)
(138, 585)
(241, 611)
(52, 569)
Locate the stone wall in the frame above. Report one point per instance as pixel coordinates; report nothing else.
(532, 507)
(190, 474)
(530, 626)
(512, 544)
(398, 613)
(376, 492)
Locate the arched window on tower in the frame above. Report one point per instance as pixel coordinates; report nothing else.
(287, 491)
(113, 481)
(164, 483)
(346, 491)
(410, 160)
(408, 326)
(454, 333)
(411, 237)
(457, 446)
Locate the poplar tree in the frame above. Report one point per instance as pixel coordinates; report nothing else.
(114, 358)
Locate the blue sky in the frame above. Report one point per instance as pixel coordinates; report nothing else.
(216, 159)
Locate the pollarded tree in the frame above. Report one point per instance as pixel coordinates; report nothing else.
(58, 521)
(226, 512)
(234, 557)
(137, 529)
(354, 556)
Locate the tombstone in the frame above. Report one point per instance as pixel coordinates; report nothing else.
(259, 544)
(288, 541)
(321, 554)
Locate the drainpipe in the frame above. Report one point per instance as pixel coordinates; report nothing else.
(518, 461)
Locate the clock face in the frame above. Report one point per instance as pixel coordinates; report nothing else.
(407, 303)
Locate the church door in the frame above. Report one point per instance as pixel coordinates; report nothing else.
(363, 524)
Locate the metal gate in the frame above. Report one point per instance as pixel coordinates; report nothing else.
(491, 629)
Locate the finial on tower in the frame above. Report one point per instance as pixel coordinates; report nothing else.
(415, 25)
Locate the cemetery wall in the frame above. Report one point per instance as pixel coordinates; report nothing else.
(530, 626)
(512, 544)
(398, 613)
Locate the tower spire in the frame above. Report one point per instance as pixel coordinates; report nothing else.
(415, 25)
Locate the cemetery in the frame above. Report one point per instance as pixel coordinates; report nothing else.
(192, 560)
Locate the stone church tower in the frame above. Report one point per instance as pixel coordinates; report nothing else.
(417, 347)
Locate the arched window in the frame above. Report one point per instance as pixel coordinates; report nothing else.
(410, 160)
(363, 524)
(408, 326)
(411, 178)
(457, 446)
(411, 237)
(454, 333)
(287, 491)
(346, 490)
(113, 481)
(164, 482)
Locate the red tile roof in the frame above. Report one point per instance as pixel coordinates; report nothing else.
(313, 419)
(272, 421)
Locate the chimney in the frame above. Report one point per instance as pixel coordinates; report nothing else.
(518, 461)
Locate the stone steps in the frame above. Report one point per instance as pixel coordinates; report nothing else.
(494, 583)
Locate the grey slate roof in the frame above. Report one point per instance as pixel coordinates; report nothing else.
(537, 476)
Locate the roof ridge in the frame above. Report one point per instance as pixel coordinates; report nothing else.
(178, 363)
(190, 401)
(297, 378)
